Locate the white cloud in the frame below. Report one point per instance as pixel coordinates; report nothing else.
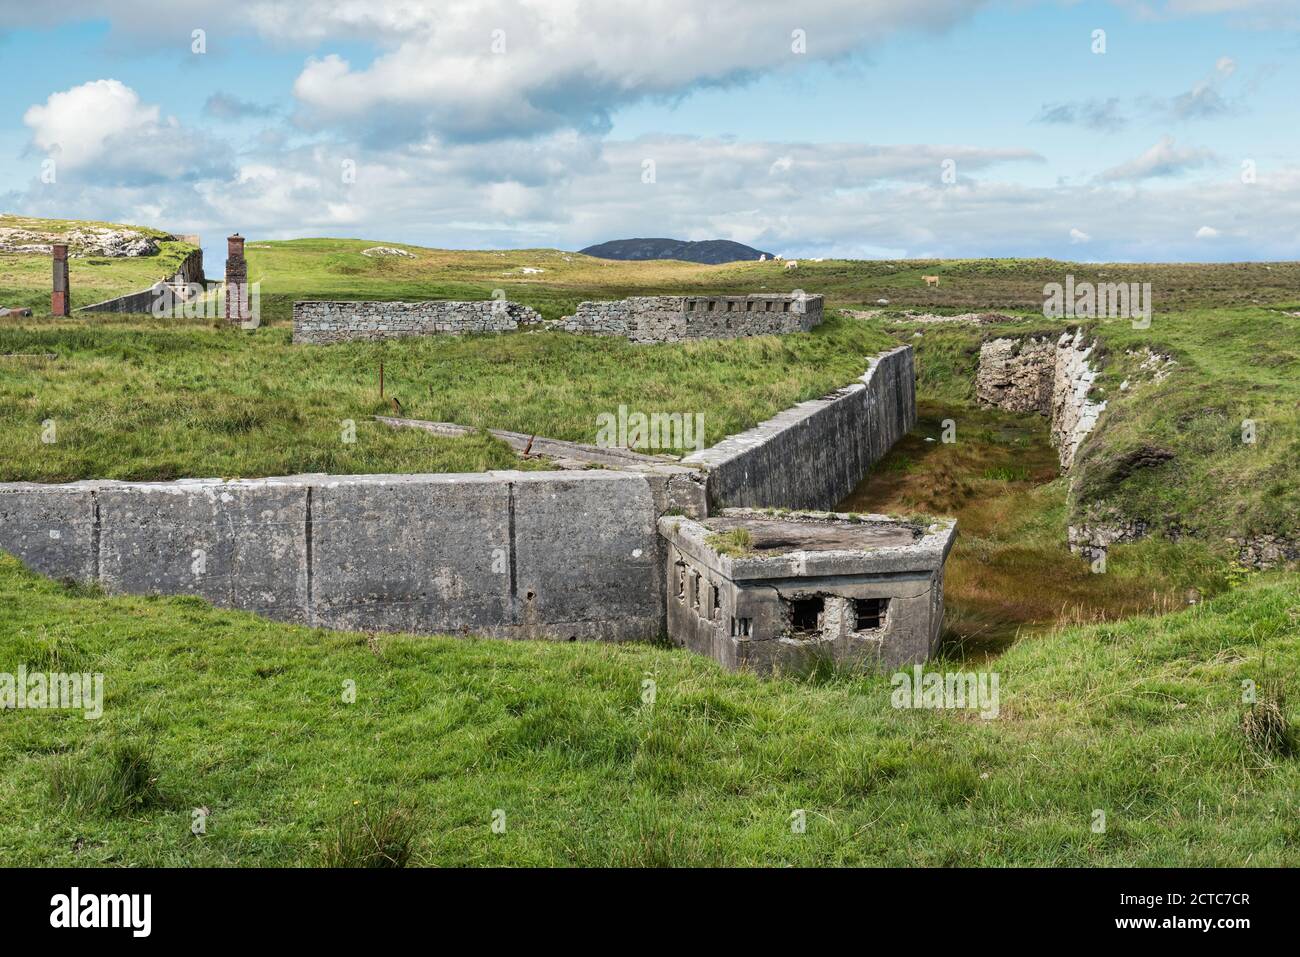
(1206, 232)
(566, 63)
(101, 131)
(568, 192)
(1160, 160)
(74, 125)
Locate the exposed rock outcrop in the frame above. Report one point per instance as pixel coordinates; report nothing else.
(1053, 379)
(83, 241)
(1265, 551)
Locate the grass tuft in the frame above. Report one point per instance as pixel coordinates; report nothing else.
(1264, 725)
(735, 542)
(380, 834)
(116, 780)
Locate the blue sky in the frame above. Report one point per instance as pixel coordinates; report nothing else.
(540, 135)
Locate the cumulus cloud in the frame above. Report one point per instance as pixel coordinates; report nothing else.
(569, 191)
(76, 123)
(1161, 160)
(1206, 232)
(1204, 100)
(491, 68)
(102, 130)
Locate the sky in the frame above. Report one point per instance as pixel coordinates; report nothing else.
(1096, 130)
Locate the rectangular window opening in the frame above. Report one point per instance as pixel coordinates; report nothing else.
(869, 613)
(806, 615)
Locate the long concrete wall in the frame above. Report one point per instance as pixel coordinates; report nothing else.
(564, 555)
(559, 554)
(328, 322)
(678, 318)
(190, 273)
(814, 454)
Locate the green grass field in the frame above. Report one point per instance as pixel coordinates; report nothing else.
(142, 398)
(1139, 719)
(1104, 707)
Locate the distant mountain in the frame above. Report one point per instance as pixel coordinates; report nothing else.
(710, 251)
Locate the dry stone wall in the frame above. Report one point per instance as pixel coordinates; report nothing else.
(323, 323)
(677, 318)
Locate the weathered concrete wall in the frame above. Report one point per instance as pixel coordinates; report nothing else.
(190, 273)
(1052, 378)
(738, 610)
(563, 554)
(327, 322)
(511, 554)
(677, 318)
(814, 454)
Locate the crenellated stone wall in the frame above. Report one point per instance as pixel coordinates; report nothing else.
(677, 318)
(322, 322)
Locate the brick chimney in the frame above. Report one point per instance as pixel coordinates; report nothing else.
(236, 280)
(60, 298)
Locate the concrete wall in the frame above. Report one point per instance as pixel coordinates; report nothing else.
(510, 554)
(677, 318)
(191, 272)
(559, 554)
(814, 454)
(329, 322)
(709, 593)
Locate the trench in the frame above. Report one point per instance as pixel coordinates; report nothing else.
(1010, 573)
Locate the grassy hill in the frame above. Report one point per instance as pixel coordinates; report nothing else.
(25, 278)
(1140, 719)
(142, 398)
(1102, 708)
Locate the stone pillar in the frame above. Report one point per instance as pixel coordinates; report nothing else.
(60, 299)
(236, 280)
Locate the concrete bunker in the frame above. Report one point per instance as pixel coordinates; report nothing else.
(769, 591)
(476, 553)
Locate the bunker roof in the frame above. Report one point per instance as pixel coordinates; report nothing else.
(749, 544)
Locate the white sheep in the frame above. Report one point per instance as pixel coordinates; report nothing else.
(792, 264)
